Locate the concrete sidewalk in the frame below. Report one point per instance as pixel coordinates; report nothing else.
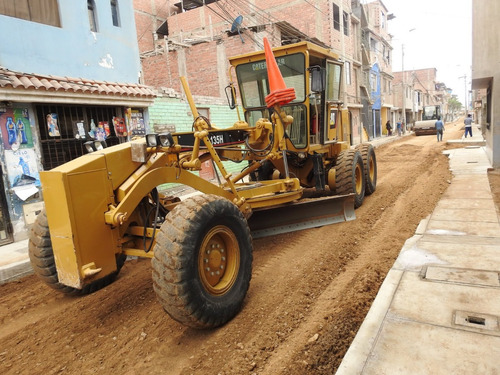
(14, 261)
(437, 311)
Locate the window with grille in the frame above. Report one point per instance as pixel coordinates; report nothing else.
(114, 13)
(336, 17)
(346, 23)
(41, 11)
(91, 10)
(58, 141)
(347, 67)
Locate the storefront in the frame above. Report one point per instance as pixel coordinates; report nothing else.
(44, 122)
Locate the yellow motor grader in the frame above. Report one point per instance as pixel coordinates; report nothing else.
(298, 171)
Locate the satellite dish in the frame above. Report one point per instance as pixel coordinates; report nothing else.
(236, 26)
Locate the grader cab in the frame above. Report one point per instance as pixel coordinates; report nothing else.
(105, 205)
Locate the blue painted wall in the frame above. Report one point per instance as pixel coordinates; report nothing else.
(376, 97)
(111, 54)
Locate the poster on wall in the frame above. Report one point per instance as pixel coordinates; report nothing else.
(136, 122)
(22, 172)
(120, 127)
(79, 130)
(52, 125)
(15, 128)
(102, 131)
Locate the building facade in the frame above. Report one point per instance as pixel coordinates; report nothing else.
(486, 74)
(414, 89)
(195, 39)
(376, 51)
(68, 74)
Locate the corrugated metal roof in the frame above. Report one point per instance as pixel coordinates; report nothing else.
(26, 81)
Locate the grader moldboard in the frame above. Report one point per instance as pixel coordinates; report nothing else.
(299, 171)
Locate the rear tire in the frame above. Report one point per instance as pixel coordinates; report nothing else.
(43, 263)
(370, 164)
(202, 262)
(350, 176)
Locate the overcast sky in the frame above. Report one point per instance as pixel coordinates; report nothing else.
(441, 38)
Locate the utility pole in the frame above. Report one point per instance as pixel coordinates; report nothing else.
(465, 90)
(403, 82)
(404, 86)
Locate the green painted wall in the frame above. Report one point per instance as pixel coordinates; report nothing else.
(169, 113)
(173, 111)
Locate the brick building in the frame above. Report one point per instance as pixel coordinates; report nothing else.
(417, 88)
(195, 38)
(376, 54)
(485, 73)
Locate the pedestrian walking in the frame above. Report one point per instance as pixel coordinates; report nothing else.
(468, 125)
(389, 128)
(398, 127)
(439, 125)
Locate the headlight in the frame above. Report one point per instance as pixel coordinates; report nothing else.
(92, 146)
(100, 145)
(166, 139)
(152, 140)
(157, 140)
(89, 146)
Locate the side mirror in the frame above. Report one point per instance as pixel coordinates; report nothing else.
(318, 78)
(231, 96)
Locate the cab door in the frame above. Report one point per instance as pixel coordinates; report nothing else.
(333, 86)
(333, 123)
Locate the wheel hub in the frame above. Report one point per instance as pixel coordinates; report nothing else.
(215, 262)
(359, 179)
(218, 260)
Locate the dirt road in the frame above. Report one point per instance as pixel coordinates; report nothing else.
(309, 294)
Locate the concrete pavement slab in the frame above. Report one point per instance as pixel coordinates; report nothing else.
(477, 180)
(465, 214)
(464, 227)
(14, 261)
(461, 193)
(407, 347)
(463, 240)
(466, 254)
(467, 203)
(420, 299)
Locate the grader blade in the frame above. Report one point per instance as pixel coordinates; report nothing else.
(303, 214)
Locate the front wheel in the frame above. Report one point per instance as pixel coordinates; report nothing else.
(44, 265)
(202, 262)
(350, 176)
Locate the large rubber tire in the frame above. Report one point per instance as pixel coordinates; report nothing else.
(350, 176)
(201, 236)
(43, 263)
(370, 163)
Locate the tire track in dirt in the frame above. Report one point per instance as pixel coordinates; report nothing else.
(354, 271)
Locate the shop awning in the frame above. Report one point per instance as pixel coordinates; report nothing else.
(35, 88)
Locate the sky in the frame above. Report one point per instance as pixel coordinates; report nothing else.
(435, 34)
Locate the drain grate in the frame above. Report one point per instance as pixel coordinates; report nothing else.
(476, 320)
(461, 276)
